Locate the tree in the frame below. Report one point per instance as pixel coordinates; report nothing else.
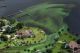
(34, 50)
(8, 30)
(34, 41)
(59, 33)
(28, 50)
(77, 34)
(2, 23)
(48, 51)
(25, 50)
(62, 30)
(68, 29)
(3, 17)
(52, 44)
(78, 41)
(19, 25)
(46, 46)
(4, 38)
(18, 52)
(12, 21)
(59, 52)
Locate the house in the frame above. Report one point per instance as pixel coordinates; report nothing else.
(74, 46)
(25, 33)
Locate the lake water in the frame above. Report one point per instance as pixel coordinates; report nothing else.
(73, 20)
(12, 6)
(8, 7)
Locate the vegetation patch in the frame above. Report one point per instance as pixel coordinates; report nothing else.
(45, 15)
(65, 37)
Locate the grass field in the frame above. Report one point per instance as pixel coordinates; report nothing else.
(39, 36)
(40, 46)
(65, 36)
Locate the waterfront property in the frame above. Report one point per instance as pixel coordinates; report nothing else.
(74, 46)
(25, 33)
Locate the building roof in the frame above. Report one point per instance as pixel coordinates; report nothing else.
(24, 33)
(73, 45)
(78, 51)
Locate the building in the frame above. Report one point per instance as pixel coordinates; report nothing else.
(74, 47)
(25, 33)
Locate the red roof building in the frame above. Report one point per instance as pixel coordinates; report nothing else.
(25, 33)
(74, 46)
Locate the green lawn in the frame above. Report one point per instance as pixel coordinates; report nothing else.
(65, 36)
(39, 36)
(2, 44)
(40, 46)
